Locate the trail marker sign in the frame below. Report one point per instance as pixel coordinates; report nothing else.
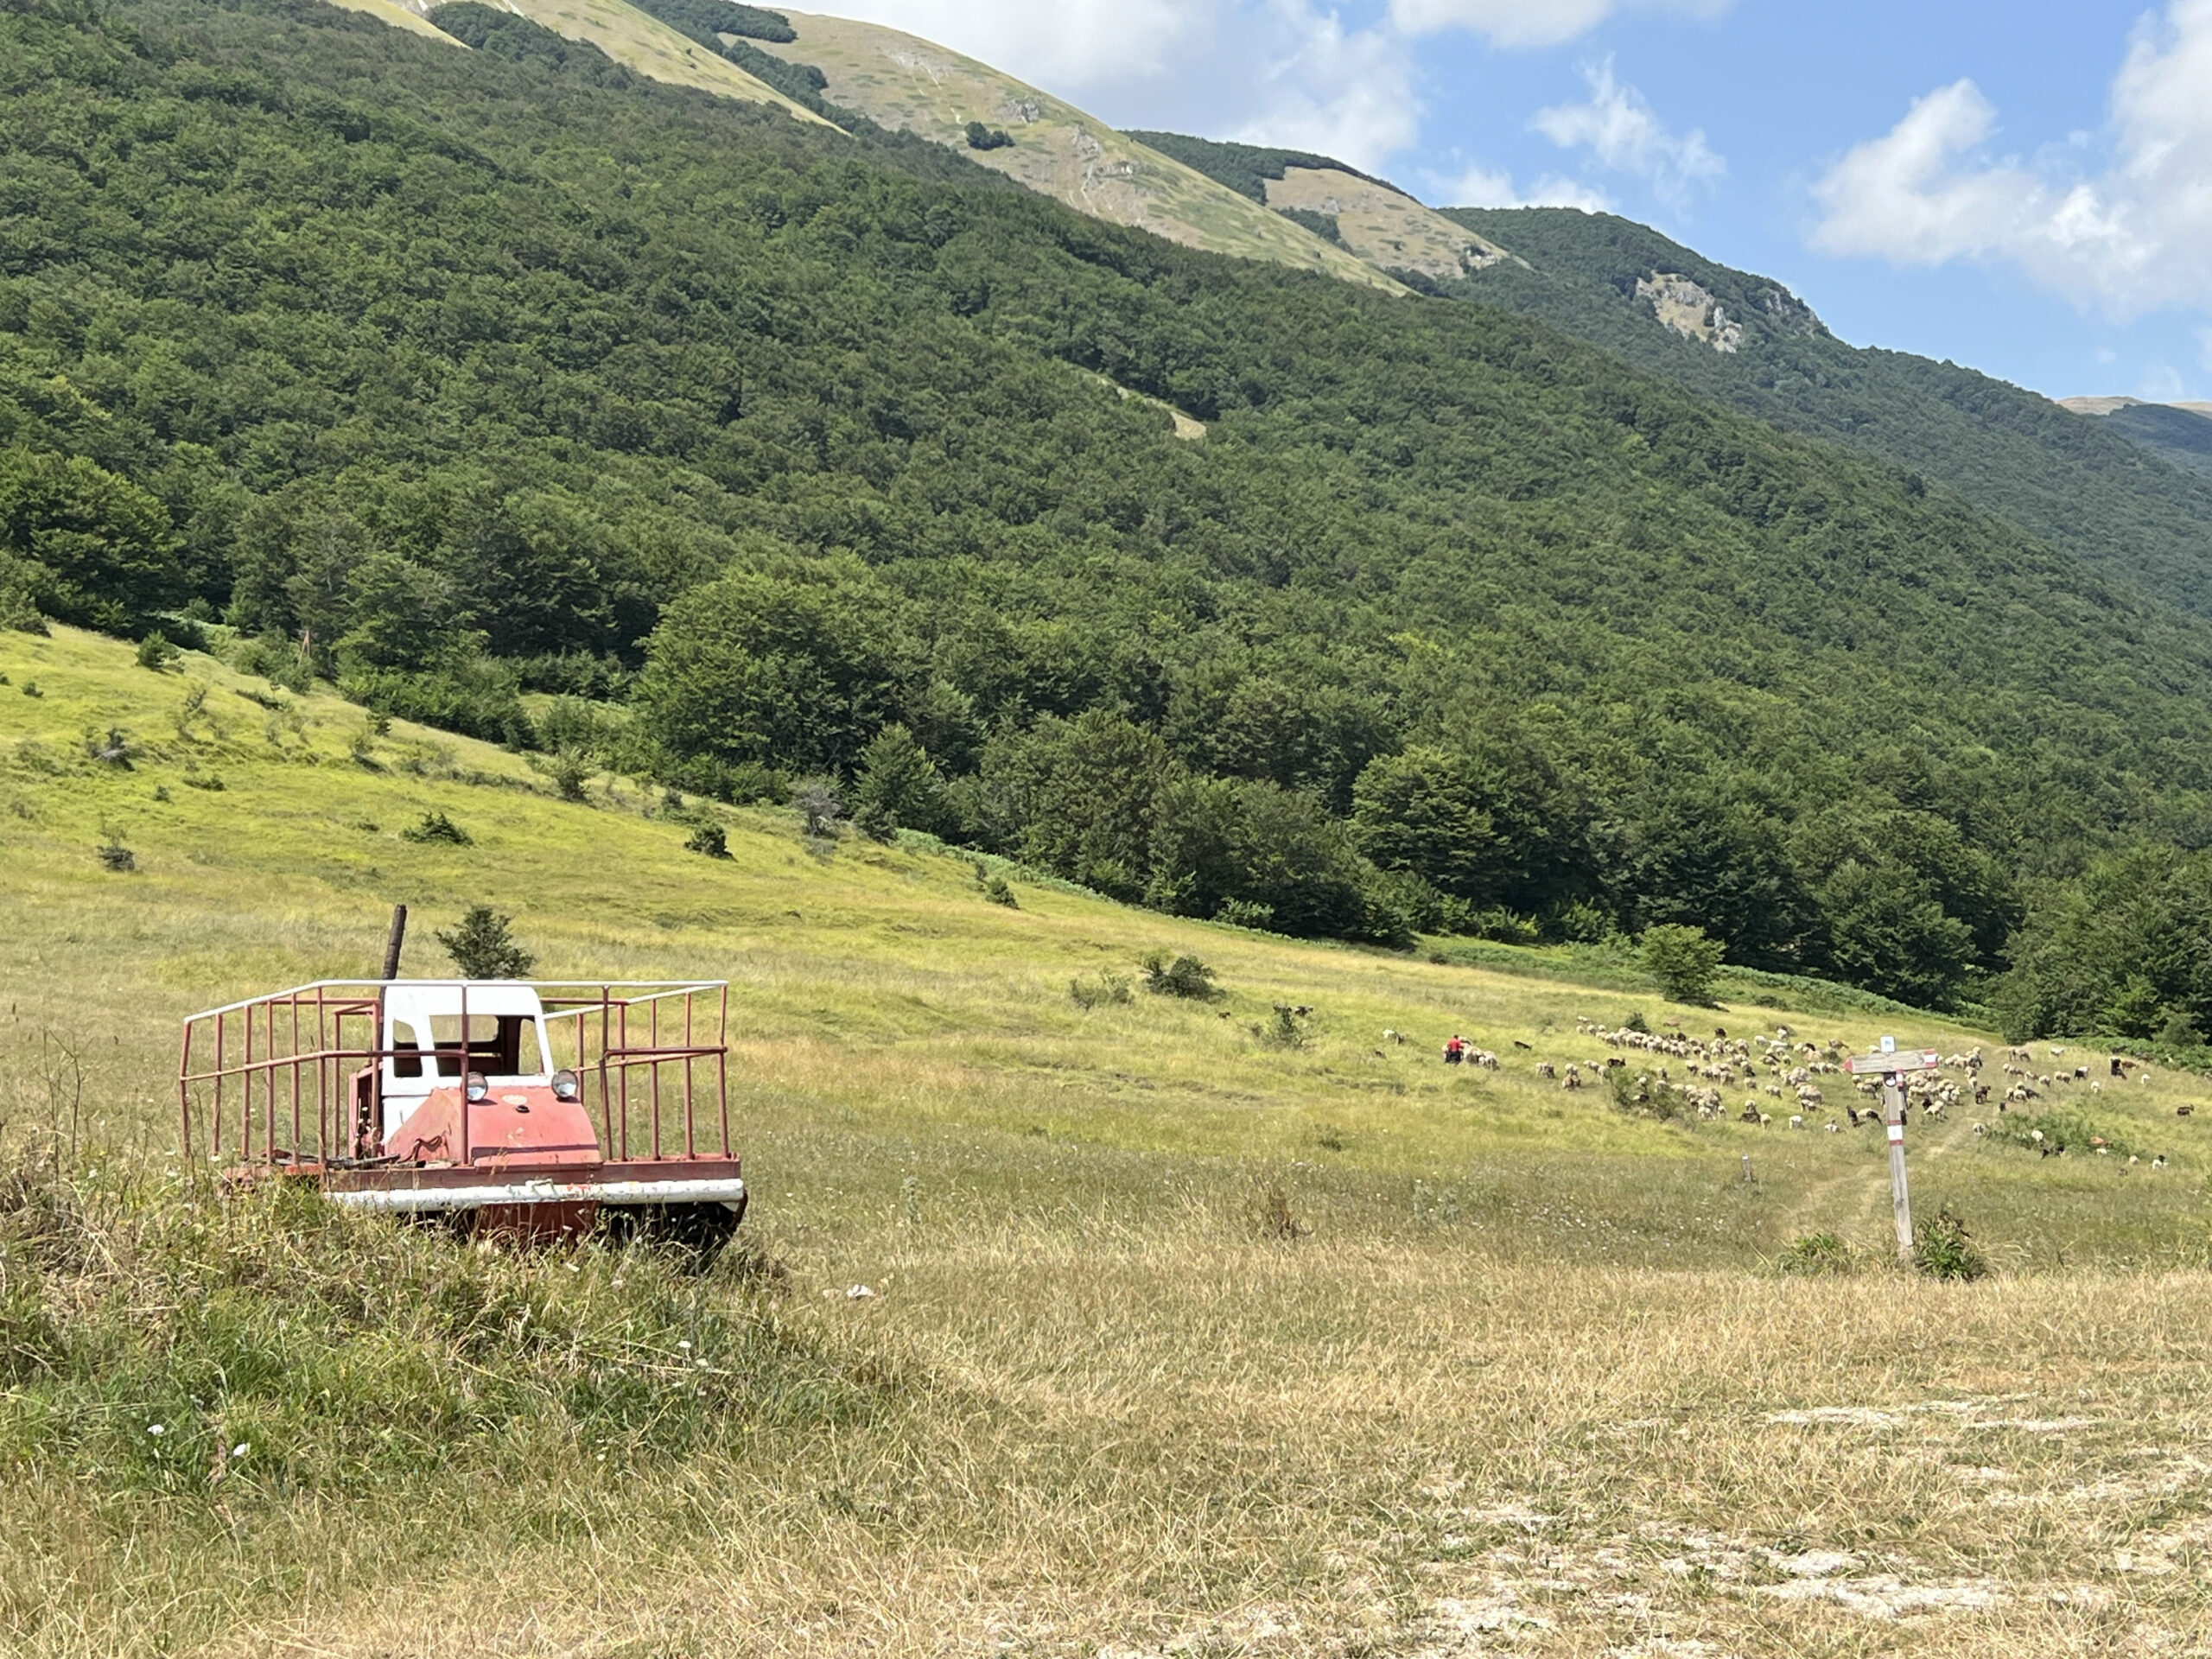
(1890, 1065)
(1909, 1060)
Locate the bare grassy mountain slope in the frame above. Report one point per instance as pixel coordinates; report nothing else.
(626, 35)
(1367, 216)
(910, 85)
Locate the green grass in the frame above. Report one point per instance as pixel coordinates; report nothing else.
(1177, 1339)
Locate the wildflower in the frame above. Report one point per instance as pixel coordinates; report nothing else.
(156, 1429)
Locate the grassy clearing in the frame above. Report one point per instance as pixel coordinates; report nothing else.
(1178, 1341)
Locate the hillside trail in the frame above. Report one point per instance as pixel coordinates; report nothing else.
(1816, 1208)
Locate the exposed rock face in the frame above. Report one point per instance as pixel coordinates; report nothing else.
(1690, 310)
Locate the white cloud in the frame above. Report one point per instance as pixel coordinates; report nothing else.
(2161, 384)
(2133, 237)
(1532, 23)
(1346, 95)
(1480, 186)
(1621, 131)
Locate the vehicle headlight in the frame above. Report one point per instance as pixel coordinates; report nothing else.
(567, 1086)
(474, 1086)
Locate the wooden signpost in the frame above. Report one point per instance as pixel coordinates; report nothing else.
(1890, 1064)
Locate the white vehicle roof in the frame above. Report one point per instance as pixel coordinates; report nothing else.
(412, 1000)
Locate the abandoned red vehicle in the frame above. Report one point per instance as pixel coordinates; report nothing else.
(526, 1107)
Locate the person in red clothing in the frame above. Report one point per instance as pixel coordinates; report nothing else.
(1455, 1051)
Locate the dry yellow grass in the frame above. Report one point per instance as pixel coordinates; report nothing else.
(1184, 1345)
(1388, 229)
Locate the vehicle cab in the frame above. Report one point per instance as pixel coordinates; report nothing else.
(467, 1076)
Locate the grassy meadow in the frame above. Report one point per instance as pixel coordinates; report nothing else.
(1178, 1341)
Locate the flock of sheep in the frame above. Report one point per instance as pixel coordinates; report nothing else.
(1784, 1068)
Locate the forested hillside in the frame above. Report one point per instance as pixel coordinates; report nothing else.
(2011, 452)
(786, 452)
(2179, 433)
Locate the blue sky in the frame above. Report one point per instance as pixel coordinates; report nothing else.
(2025, 189)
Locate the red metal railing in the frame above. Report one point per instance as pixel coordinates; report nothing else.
(309, 1062)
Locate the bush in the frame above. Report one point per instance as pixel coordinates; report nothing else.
(710, 840)
(482, 947)
(819, 807)
(570, 772)
(116, 857)
(1285, 1029)
(1942, 1249)
(1109, 989)
(1683, 961)
(1242, 913)
(110, 747)
(1644, 1096)
(1816, 1254)
(1183, 976)
(155, 652)
(898, 788)
(437, 827)
(472, 696)
(982, 137)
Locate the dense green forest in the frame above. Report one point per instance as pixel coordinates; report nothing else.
(2180, 436)
(779, 452)
(2072, 481)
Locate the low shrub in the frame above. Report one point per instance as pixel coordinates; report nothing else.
(117, 858)
(155, 652)
(436, 827)
(1109, 989)
(1641, 1095)
(710, 840)
(1816, 1254)
(1284, 1028)
(1183, 976)
(1942, 1249)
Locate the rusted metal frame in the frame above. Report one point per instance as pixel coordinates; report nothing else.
(605, 1102)
(184, 1102)
(465, 1157)
(215, 1117)
(622, 1079)
(322, 1067)
(269, 1089)
(246, 1089)
(652, 1036)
